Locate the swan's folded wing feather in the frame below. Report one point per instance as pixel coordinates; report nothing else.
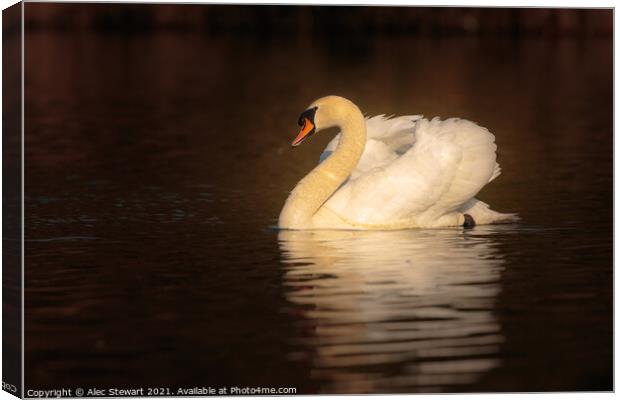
(449, 162)
(478, 166)
(387, 139)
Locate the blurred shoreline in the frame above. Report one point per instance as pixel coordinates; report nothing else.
(319, 20)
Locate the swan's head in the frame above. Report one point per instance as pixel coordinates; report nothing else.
(326, 112)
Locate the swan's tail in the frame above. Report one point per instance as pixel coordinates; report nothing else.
(496, 172)
(482, 214)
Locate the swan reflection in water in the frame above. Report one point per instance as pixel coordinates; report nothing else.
(395, 311)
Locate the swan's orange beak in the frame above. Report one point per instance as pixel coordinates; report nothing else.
(306, 130)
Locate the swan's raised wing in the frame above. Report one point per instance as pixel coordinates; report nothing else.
(447, 163)
(387, 139)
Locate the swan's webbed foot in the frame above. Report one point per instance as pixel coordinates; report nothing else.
(469, 221)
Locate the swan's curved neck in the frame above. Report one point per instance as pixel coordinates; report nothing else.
(318, 186)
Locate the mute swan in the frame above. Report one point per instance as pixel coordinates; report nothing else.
(392, 173)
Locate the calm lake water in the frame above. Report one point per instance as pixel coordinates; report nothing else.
(156, 167)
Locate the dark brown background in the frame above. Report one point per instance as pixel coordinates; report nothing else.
(158, 157)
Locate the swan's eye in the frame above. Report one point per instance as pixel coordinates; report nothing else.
(309, 114)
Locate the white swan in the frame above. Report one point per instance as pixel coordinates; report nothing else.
(392, 173)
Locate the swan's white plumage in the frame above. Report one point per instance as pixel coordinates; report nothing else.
(386, 139)
(416, 172)
(392, 173)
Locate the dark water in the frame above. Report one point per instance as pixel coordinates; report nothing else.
(156, 164)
